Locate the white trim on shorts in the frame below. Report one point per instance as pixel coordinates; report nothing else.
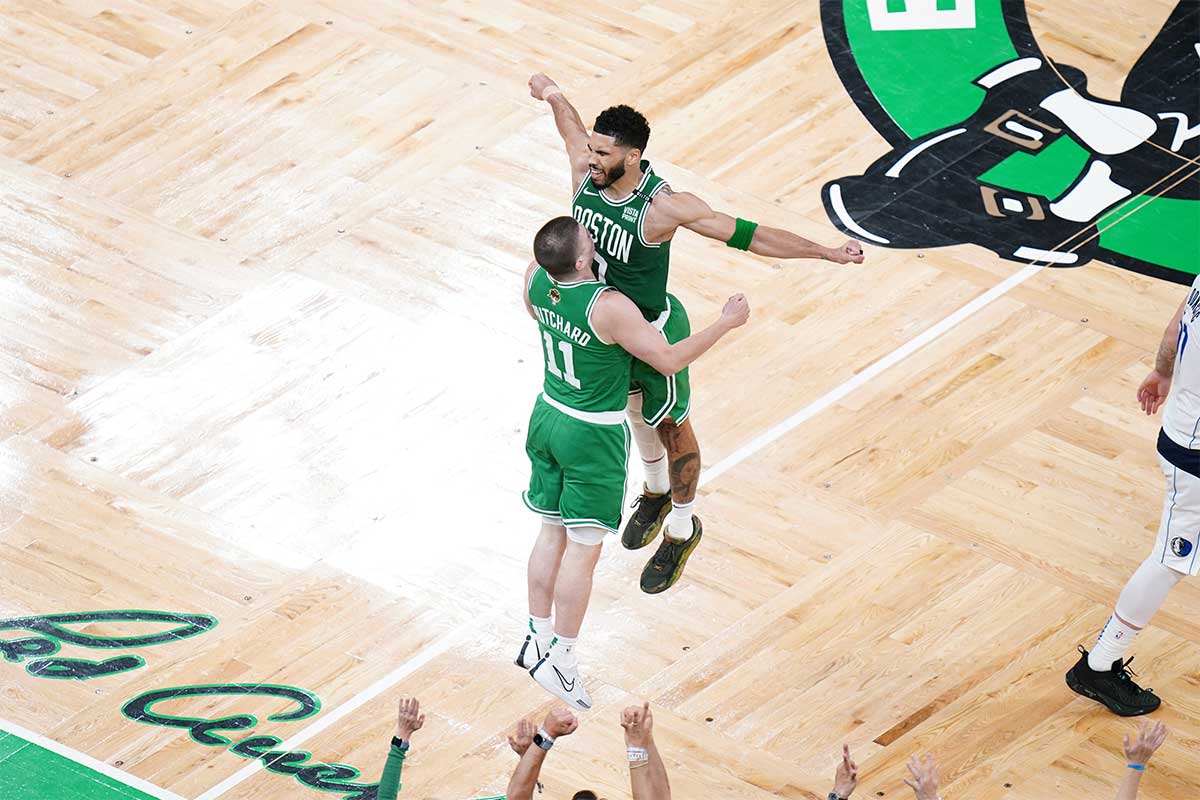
(594, 417)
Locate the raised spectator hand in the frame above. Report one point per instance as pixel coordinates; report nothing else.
(847, 774)
(560, 722)
(1149, 739)
(410, 718)
(925, 778)
(520, 739)
(638, 724)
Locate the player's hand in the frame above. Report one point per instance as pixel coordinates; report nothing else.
(409, 720)
(520, 739)
(1149, 739)
(538, 84)
(925, 778)
(736, 311)
(638, 724)
(849, 253)
(847, 774)
(1153, 391)
(560, 722)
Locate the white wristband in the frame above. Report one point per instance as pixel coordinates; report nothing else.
(636, 754)
(545, 737)
(550, 90)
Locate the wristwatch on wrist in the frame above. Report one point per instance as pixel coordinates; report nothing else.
(398, 742)
(543, 739)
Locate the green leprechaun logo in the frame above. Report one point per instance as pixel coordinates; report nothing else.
(994, 144)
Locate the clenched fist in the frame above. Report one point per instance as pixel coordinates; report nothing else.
(560, 722)
(538, 84)
(736, 311)
(849, 253)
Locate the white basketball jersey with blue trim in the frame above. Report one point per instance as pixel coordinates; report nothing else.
(1181, 415)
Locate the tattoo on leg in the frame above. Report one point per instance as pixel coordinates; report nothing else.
(683, 455)
(685, 475)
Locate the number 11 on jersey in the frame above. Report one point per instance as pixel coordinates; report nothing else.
(568, 361)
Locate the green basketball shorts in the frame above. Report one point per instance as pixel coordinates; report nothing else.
(578, 464)
(664, 397)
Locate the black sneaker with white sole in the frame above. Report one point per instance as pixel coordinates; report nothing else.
(1113, 687)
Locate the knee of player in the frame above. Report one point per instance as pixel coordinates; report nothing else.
(586, 535)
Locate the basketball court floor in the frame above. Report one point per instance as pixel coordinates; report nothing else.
(265, 373)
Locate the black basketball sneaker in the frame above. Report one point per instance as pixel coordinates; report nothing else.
(647, 520)
(1114, 687)
(667, 563)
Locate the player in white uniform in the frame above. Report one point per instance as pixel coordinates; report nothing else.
(1102, 674)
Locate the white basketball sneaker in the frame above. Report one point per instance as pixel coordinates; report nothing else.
(561, 681)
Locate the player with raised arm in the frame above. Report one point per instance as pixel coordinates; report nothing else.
(578, 440)
(632, 215)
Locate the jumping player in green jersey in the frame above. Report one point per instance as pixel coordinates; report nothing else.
(632, 214)
(578, 441)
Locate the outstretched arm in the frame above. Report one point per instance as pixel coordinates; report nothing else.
(524, 778)
(647, 772)
(570, 125)
(558, 723)
(618, 320)
(686, 210)
(1137, 756)
(409, 720)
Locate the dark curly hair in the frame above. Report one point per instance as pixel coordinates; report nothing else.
(586, 794)
(626, 126)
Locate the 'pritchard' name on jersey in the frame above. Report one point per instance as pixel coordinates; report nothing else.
(583, 372)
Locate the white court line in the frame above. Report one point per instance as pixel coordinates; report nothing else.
(891, 359)
(353, 704)
(107, 770)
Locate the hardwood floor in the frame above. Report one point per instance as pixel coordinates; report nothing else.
(262, 358)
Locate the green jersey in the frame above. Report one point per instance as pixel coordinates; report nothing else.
(624, 258)
(583, 372)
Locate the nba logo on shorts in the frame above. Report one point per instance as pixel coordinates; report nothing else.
(1180, 546)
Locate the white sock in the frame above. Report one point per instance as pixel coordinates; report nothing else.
(1115, 639)
(657, 481)
(1139, 600)
(678, 525)
(564, 651)
(542, 630)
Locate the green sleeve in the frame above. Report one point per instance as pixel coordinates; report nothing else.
(389, 784)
